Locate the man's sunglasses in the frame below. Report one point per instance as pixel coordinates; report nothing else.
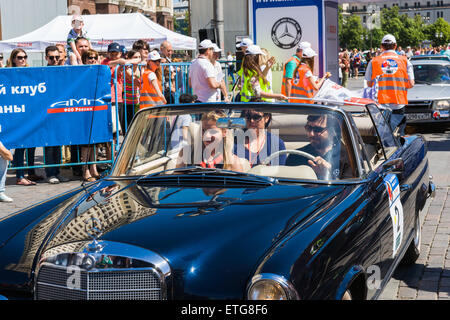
(21, 57)
(255, 117)
(53, 58)
(316, 129)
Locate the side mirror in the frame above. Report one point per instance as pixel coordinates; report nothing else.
(394, 166)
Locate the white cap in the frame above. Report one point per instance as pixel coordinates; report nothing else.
(206, 44)
(245, 43)
(303, 45)
(216, 48)
(308, 53)
(154, 56)
(389, 38)
(254, 49)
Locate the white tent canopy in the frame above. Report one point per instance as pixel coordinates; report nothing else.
(102, 29)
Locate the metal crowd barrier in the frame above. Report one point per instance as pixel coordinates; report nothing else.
(179, 82)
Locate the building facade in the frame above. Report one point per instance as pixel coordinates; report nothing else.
(159, 11)
(429, 10)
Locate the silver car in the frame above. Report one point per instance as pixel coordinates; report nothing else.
(429, 99)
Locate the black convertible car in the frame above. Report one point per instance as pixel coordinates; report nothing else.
(257, 201)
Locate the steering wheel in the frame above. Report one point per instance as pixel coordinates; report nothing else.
(281, 152)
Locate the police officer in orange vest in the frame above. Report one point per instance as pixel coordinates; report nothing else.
(395, 76)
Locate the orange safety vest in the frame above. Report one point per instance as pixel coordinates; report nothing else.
(285, 80)
(301, 87)
(149, 96)
(393, 81)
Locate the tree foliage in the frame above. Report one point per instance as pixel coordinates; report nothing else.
(408, 31)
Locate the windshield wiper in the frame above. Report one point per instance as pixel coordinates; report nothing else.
(204, 172)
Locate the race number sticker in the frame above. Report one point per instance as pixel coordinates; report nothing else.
(396, 210)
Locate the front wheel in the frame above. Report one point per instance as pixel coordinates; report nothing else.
(413, 251)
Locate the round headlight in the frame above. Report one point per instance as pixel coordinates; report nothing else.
(441, 104)
(270, 287)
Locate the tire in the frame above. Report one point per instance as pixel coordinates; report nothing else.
(413, 251)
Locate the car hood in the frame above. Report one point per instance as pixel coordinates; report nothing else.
(429, 92)
(199, 231)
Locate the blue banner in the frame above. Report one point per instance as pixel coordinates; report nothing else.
(55, 106)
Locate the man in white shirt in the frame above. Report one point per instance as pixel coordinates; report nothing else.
(202, 75)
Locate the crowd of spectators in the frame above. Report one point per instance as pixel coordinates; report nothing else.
(353, 62)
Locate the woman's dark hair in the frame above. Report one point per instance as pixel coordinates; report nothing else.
(140, 44)
(131, 53)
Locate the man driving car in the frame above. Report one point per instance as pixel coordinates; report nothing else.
(324, 145)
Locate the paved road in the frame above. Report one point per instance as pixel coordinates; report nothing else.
(428, 279)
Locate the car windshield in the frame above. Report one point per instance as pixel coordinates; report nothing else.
(432, 73)
(307, 143)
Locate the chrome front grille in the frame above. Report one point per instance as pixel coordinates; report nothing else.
(63, 283)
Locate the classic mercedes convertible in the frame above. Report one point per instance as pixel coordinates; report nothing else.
(256, 201)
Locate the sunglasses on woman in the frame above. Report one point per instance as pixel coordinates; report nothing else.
(255, 117)
(21, 57)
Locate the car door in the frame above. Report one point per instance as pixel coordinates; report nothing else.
(394, 187)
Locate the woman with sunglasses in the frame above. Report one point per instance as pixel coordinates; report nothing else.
(151, 91)
(18, 58)
(254, 83)
(259, 142)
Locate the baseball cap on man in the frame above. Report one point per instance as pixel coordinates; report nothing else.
(206, 44)
(246, 42)
(389, 38)
(303, 45)
(114, 47)
(254, 49)
(154, 56)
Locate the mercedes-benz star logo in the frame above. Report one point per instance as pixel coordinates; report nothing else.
(286, 33)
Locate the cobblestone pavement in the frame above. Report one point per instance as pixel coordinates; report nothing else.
(25, 196)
